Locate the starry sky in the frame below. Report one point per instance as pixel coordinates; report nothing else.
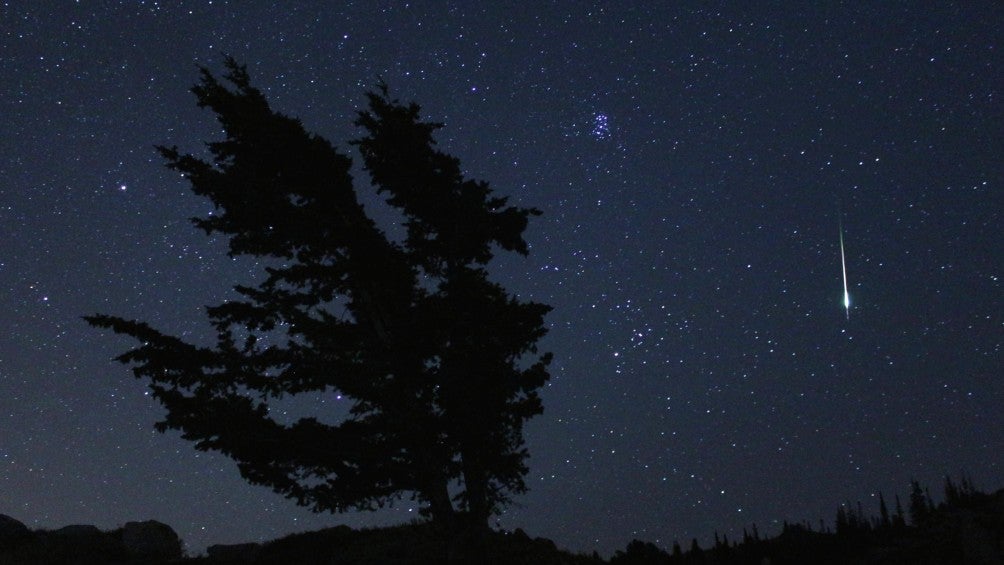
(694, 162)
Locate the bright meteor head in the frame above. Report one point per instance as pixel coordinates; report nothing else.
(843, 268)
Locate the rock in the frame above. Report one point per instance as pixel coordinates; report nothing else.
(11, 530)
(238, 553)
(70, 543)
(79, 532)
(151, 540)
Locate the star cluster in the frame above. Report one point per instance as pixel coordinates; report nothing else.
(693, 165)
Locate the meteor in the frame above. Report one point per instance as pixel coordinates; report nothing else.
(843, 266)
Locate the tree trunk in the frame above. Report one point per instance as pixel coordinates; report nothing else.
(470, 537)
(440, 505)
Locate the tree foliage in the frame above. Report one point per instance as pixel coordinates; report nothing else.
(439, 363)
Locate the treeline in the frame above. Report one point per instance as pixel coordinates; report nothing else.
(966, 527)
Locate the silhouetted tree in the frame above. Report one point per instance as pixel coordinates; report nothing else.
(696, 554)
(919, 505)
(843, 524)
(967, 490)
(438, 364)
(952, 495)
(899, 520)
(884, 520)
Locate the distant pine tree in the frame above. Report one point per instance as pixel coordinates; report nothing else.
(884, 520)
(899, 520)
(952, 495)
(696, 554)
(920, 508)
(967, 490)
(843, 524)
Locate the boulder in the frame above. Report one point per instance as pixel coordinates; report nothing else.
(79, 532)
(234, 553)
(151, 540)
(69, 543)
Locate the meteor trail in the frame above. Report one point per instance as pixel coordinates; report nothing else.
(843, 266)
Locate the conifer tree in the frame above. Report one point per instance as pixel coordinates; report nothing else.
(952, 493)
(884, 520)
(843, 522)
(919, 505)
(967, 489)
(438, 363)
(899, 520)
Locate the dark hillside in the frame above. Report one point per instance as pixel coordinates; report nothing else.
(966, 528)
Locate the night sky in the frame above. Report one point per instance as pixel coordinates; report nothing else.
(694, 164)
